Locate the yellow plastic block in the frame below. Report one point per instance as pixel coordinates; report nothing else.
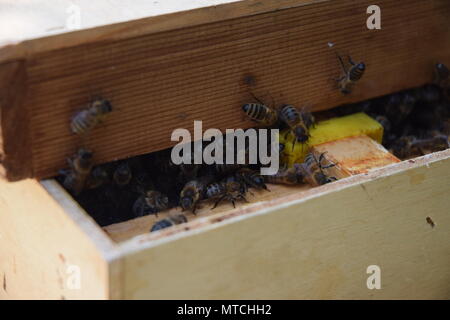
(329, 130)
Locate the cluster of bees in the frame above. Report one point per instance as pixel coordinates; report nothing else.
(151, 183)
(148, 184)
(415, 121)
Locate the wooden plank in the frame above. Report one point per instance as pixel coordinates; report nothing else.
(46, 240)
(15, 146)
(126, 230)
(161, 81)
(42, 25)
(314, 247)
(354, 155)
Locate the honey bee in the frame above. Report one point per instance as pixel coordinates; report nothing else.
(442, 79)
(294, 119)
(122, 174)
(87, 119)
(151, 202)
(261, 113)
(230, 188)
(442, 75)
(436, 142)
(251, 178)
(314, 170)
(430, 222)
(168, 222)
(408, 146)
(80, 166)
(193, 192)
(351, 75)
(398, 107)
(291, 176)
(403, 147)
(385, 123)
(98, 177)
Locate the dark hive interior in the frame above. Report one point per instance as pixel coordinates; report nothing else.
(415, 121)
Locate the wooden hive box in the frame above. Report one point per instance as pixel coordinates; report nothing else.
(162, 68)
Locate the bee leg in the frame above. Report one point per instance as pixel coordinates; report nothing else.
(321, 157)
(350, 60)
(217, 202)
(243, 198)
(286, 135)
(254, 97)
(342, 63)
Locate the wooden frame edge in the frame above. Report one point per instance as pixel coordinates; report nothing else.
(149, 240)
(16, 156)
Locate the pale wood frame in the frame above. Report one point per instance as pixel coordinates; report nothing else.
(313, 244)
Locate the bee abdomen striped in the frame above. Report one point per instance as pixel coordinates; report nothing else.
(356, 72)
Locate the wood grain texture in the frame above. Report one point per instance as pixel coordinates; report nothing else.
(120, 232)
(36, 26)
(354, 155)
(165, 80)
(15, 141)
(44, 237)
(312, 247)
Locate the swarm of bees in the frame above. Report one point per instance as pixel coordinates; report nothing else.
(415, 122)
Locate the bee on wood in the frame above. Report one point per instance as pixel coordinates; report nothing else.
(409, 146)
(261, 113)
(168, 222)
(230, 189)
(151, 202)
(251, 178)
(430, 222)
(314, 170)
(80, 166)
(122, 175)
(403, 147)
(290, 176)
(351, 75)
(87, 119)
(295, 120)
(192, 193)
(98, 177)
(436, 142)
